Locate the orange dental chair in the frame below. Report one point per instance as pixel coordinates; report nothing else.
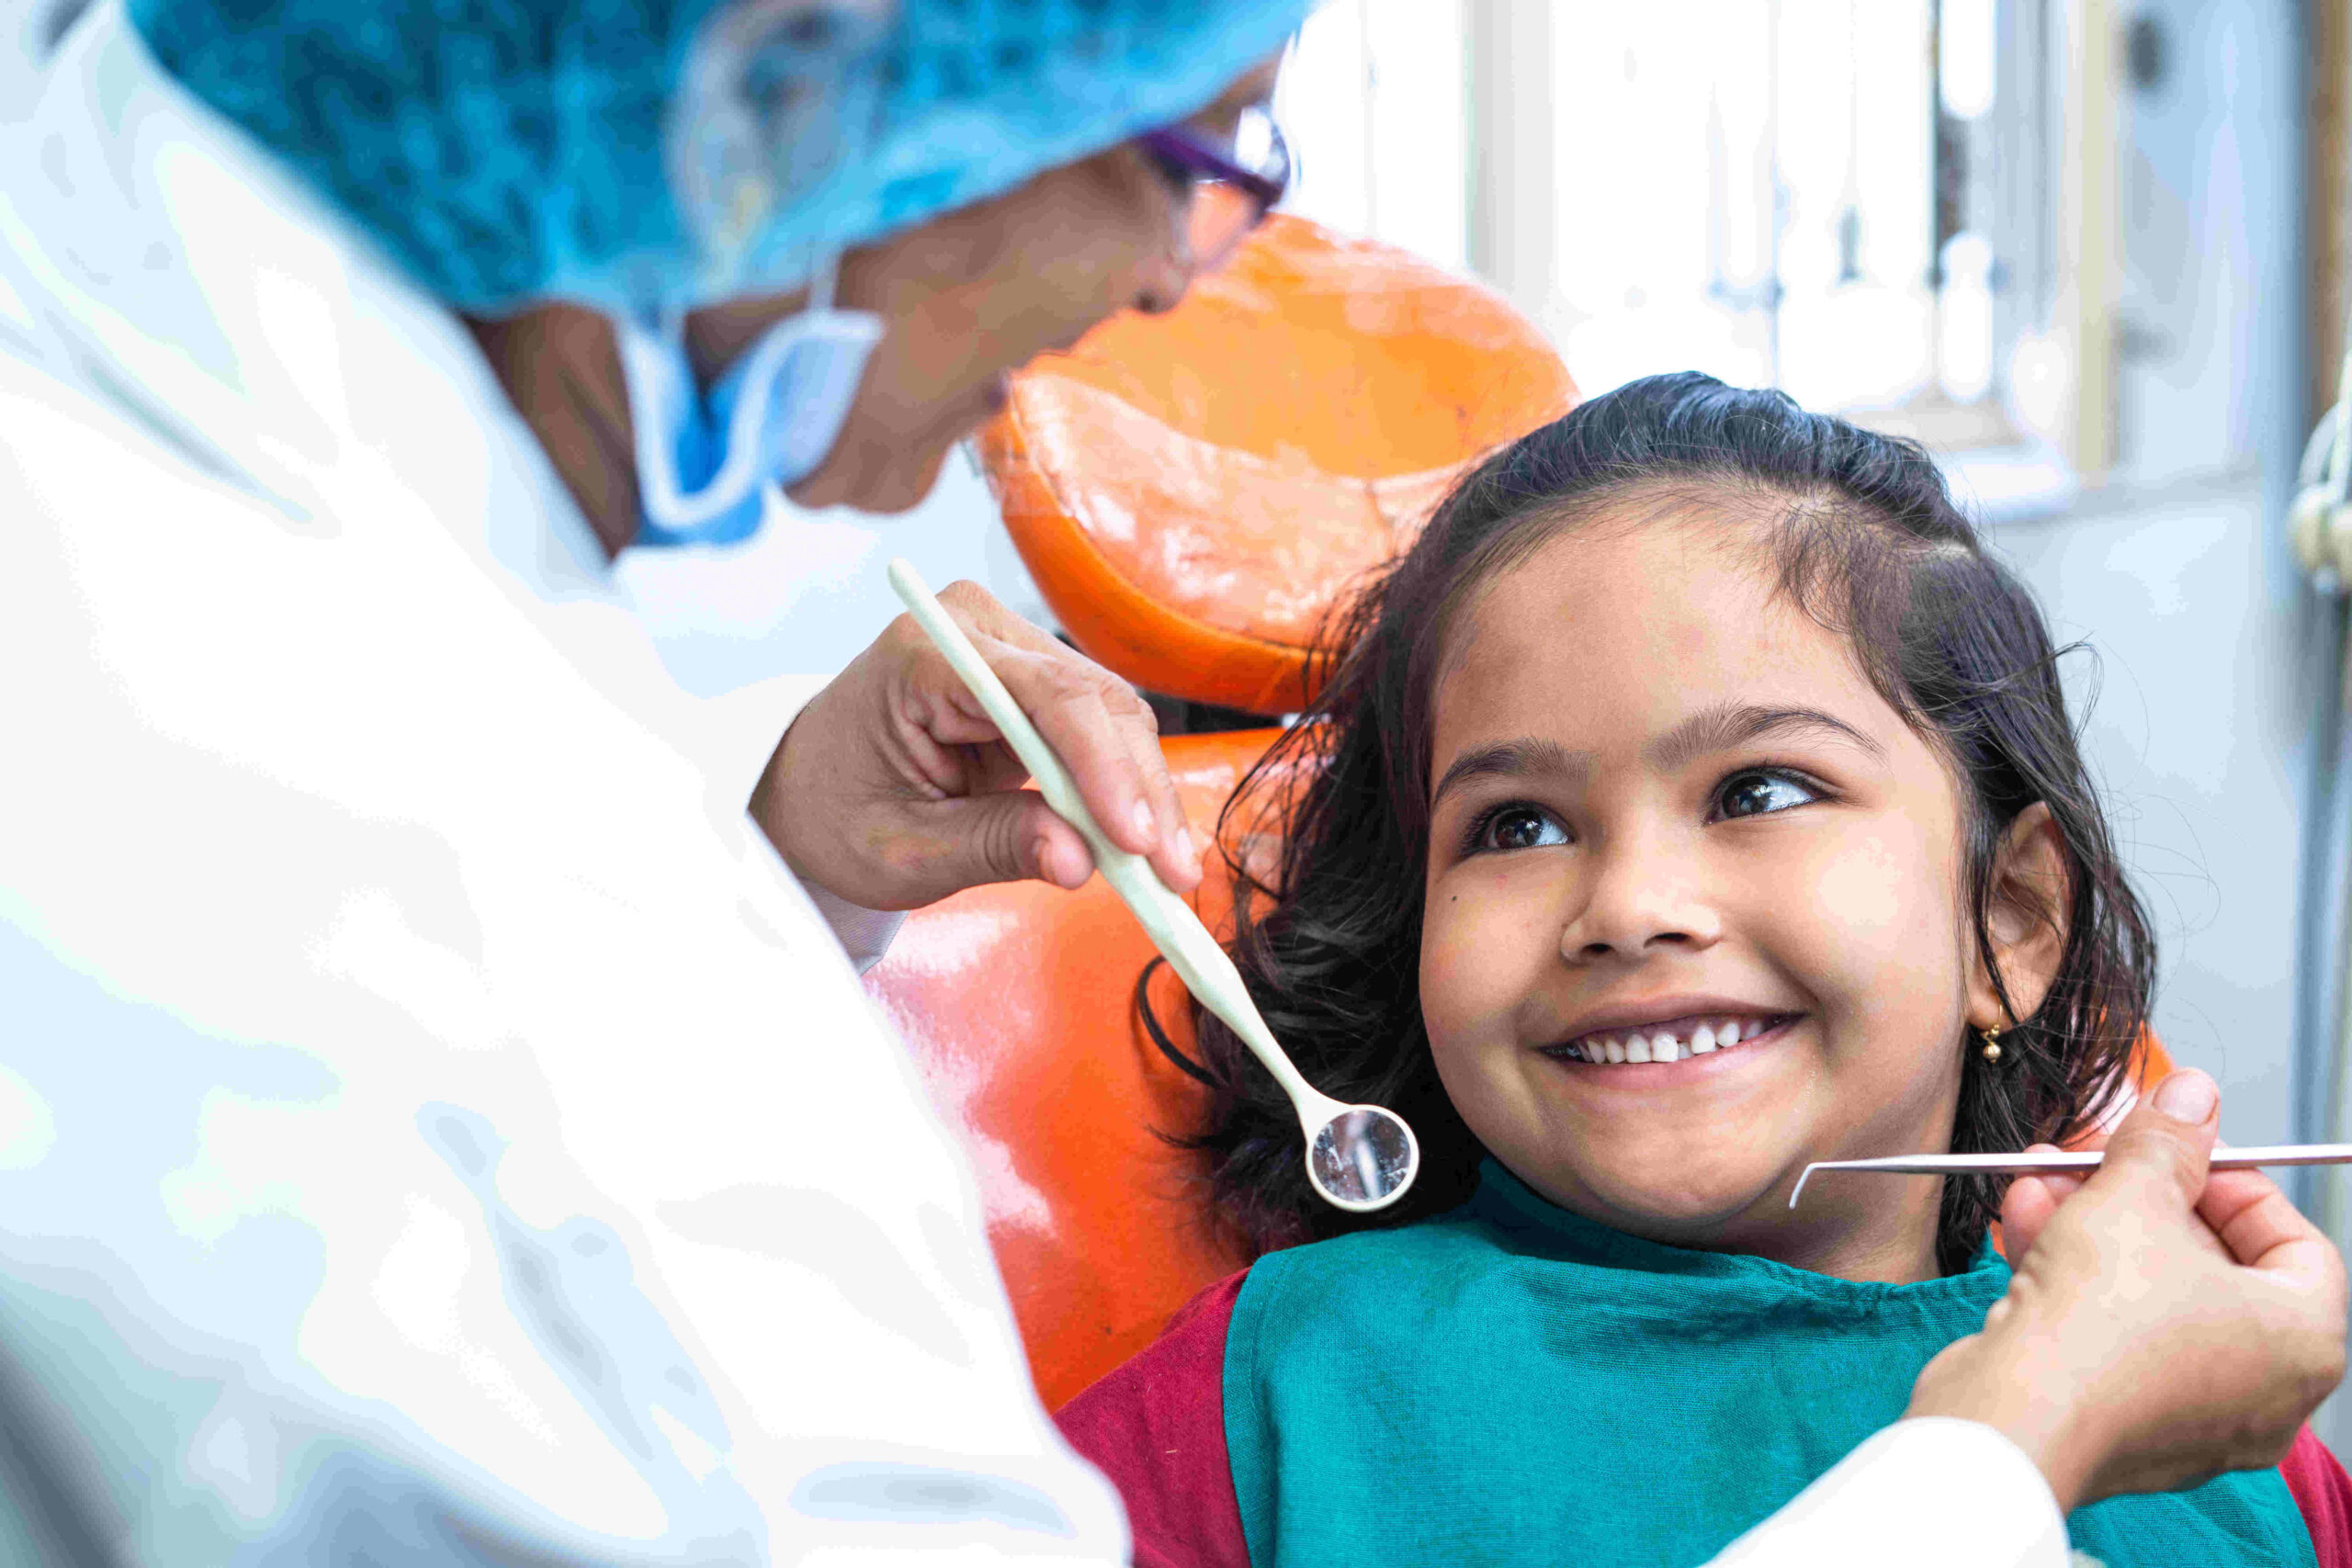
(1192, 493)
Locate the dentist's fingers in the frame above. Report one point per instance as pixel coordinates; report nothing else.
(1010, 836)
(2164, 1142)
(893, 789)
(2030, 1202)
(2259, 1226)
(1105, 733)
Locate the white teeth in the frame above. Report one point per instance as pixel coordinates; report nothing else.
(1662, 1046)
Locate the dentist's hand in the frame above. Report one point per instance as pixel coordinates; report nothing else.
(2161, 1327)
(892, 789)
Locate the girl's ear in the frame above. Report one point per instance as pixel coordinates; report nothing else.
(2026, 918)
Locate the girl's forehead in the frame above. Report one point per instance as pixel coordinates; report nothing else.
(1634, 622)
(1659, 576)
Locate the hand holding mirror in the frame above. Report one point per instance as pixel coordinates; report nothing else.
(1359, 1158)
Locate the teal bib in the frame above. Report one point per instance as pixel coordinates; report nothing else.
(1510, 1383)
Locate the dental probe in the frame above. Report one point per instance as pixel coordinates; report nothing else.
(1359, 1158)
(2069, 1159)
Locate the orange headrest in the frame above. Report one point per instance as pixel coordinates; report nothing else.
(1194, 492)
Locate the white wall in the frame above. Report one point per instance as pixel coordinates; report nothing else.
(2195, 736)
(2177, 577)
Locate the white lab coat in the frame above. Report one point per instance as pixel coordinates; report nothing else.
(432, 1123)
(425, 1097)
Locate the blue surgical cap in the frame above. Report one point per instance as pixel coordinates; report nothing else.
(504, 153)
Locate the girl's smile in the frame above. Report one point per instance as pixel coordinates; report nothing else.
(1678, 1030)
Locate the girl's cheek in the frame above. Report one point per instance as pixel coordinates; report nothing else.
(1446, 968)
(1864, 885)
(1888, 931)
(1481, 950)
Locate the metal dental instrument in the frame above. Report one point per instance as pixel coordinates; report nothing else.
(2067, 1159)
(1359, 1158)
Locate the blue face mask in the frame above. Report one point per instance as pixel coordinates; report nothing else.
(705, 461)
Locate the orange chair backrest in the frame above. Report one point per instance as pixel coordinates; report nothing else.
(1193, 493)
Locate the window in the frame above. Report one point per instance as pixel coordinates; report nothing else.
(1852, 199)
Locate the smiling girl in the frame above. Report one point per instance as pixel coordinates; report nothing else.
(1696, 800)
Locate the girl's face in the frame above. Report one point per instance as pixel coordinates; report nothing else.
(1694, 902)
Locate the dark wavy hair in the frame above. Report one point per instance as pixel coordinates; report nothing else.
(1863, 536)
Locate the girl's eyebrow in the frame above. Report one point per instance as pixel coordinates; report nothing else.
(1514, 759)
(1728, 725)
(1718, 729)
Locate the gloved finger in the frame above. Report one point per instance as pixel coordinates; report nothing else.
(2160, 1149)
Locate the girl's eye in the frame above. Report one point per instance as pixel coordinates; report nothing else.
(1518, 828)
(1758, 794)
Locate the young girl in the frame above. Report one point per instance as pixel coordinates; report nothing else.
(1695, 800)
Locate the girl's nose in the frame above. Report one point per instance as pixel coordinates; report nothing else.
(1640, 904)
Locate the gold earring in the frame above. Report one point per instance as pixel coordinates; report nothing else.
(1992, 1045)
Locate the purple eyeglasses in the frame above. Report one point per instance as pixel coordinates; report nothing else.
(1233, 184)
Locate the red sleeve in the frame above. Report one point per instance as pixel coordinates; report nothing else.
(1156, 1427)
(2324, 1493)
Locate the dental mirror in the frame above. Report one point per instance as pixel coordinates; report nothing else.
(1362, 1158)
(1359, 1158)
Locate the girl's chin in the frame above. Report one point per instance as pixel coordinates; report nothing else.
(1682, 1218)
(1710, 1197)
